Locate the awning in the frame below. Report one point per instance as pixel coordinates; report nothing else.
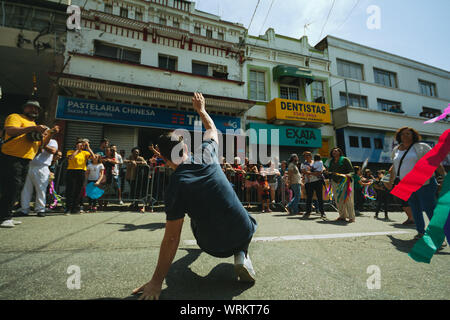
(292, 72)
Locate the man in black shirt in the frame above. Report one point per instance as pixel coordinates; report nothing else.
(198, 187)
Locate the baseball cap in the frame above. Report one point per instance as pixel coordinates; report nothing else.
(33, 103)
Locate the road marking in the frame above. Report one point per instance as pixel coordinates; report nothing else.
(314, 236)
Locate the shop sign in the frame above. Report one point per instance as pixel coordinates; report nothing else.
(293, 110)
(288, 136)
(124, 114)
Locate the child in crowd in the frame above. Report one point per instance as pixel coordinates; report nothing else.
(265, 193)
(94, 173)
(382, 194)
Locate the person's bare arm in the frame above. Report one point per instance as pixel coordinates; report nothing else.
(198, 102)
(169, 246)
(17, 131)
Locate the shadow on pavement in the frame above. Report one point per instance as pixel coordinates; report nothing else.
(183, 284)
(402, 245)
(220, 284)
(149, 226)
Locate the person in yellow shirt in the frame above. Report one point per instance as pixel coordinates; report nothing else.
(76, 173)
(21, 144)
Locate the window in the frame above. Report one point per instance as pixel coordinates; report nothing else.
(176, 24)
(354, 141)
(318, 93)
(118, 53)
(290, 93)
(209, 34)
(257, 85)
(124, 13)
(427, 88)
(349, 69)
(390, 106)
(138, 16)
(430, 113)
(385, 78)
(108, 8)
(354, 100)
(365, 142)
(378, 143)
(166, 62)
(163, 21)
(197, 30)
(199, 68)
(220, 36)
(209, 70)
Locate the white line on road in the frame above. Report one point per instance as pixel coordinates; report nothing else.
(314, 236)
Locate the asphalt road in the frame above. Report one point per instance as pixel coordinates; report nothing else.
(295, 259)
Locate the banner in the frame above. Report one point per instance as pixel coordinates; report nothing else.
(124, 114)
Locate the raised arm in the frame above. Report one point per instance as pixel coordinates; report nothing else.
(198, 102)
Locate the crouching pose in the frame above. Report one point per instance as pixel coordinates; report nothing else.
(198, 187)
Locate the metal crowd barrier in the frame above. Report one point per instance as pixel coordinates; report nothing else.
(159, 180)
(137, 191)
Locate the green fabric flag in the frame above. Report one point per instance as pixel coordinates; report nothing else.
(425, 248)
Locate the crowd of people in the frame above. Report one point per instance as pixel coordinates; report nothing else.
(208, 193)
(33, 163)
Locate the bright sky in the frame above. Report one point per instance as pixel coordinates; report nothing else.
(415, 29)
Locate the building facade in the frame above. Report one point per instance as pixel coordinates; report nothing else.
(374, 93)
(132, 69)
(32, 44)
(289, 80)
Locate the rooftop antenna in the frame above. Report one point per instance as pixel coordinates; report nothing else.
(305, 27)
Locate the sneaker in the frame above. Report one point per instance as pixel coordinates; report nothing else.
(41, 214)
(7, 224)
(16, 222)
(243, 267)
(444, 244)
(121, 203)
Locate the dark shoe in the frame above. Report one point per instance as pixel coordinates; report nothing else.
(41, 214)
(306, 215)
(386, 217)
(376, 215)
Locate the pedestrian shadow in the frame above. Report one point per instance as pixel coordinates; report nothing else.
(403, 226)
(334, 222)
(149, 226)
(183, 284)
(402, 245)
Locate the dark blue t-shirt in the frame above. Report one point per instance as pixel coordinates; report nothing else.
(201, 189)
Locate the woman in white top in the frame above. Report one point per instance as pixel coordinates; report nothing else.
(94, 173)
(405, 156)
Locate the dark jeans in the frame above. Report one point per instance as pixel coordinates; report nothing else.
(312, 187)
(359, 199)
(225, 254)
(382, 200)
(74, 187)
(13, 172)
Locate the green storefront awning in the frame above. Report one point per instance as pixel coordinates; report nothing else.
(292, 72)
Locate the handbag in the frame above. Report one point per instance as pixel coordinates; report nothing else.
(397, 178)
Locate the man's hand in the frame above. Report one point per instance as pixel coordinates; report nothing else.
(40, 128)
(198, 102)
(150, 291)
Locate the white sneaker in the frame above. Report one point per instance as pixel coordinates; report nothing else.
(7, 224)
(16, 222)
(243, 267)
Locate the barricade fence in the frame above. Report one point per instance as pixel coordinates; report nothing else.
(148, 186)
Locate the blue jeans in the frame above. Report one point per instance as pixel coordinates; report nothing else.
(422, 200)
(293, 205)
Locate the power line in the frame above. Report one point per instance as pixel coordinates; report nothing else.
(253, 14)
(351, 11)
(265, 19)
(326, 21)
